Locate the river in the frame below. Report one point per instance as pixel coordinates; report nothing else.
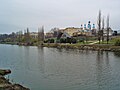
(61, 69)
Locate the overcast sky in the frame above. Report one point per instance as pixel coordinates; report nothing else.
(17, 15)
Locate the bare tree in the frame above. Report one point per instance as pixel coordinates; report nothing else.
(107, 29)
(27, 36)
(20, 35)
(99, 26)
(41, 34)
(103, 25)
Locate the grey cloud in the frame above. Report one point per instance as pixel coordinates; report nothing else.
(56, 13)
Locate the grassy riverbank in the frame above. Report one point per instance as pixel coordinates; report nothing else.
(86, 46)
(102, 47)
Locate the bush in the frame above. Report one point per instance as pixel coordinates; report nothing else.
(81, 40)
(62, 40)
(49, 41)
(45, 41)
(34, 40)
(68, 40)
(73, 41)
(117, 42)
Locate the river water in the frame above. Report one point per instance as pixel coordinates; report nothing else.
(61, 69)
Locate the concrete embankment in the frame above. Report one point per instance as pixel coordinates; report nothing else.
(96, 47)
(6, 85)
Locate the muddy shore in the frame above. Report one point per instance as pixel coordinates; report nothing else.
(95, 47)
(5, 84)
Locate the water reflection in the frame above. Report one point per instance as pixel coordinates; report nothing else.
(40, 60)
(26, 56)
(107, 58)
(62, 69)
(117, 54)
(103, 71)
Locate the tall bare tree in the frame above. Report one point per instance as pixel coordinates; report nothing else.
(41, 34)
(27, 36)
(20, 35)
(103, 25)
(99, 26)
(108, 28)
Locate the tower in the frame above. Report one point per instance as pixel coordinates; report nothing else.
(81, 26)
(93, 26)
(84, 26)
(89, 25)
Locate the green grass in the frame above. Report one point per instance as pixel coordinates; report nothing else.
(1, 72)
(112, 42)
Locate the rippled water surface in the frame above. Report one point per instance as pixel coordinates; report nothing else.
(61, 69)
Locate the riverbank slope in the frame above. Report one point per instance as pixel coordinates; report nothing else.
(95, 47)
(6, 85)
(101, 47)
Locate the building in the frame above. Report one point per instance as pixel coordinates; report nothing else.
(110, 32)
(49, 35)
(84, 30)
(34, 35)
(71, 30)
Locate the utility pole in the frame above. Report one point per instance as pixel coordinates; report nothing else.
(107, 29)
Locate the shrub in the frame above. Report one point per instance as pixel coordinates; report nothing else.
(45, 41)
(51, 40)
(73, 41)
(117, 42)
(68, 40)
(62, 40)
(81, 40)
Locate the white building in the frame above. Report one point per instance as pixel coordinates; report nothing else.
(110, 32)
